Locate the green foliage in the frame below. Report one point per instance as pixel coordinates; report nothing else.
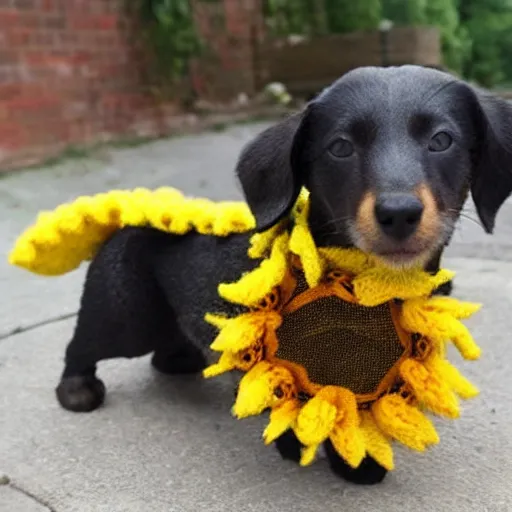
(505, 47)
(489, 25)
(298, 17)
(476, 35)
(405, 12)
(455, 44)
(349, 15)
(167, 29)
(443, 14)
(284, 18)
(309, 17)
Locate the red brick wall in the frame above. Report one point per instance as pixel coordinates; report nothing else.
(233, 29)
(70, 73)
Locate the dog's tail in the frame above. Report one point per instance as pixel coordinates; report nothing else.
(62, 239)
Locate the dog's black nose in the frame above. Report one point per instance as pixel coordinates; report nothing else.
(398, 215)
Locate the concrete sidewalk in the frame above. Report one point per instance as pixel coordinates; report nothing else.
(169, 444)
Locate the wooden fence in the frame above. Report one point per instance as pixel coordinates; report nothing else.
(308, 66)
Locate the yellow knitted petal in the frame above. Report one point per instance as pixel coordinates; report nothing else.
(462, 339)
(168, 195)
(84, 205)
(256, 389)
(132, 207)
(255, 285)
(457, 382)
(301, 204)
(429, 389)
(404, 422)
(58, 242)
(41, 235)
(233, 217)
(421, 309)
(142, 195)
(349, 443)
(302, 244)
(353, 261)
(416, 317)
(308, 454)
(107, 209)
(202, 214)
(226, 363)
(260, 243)
(23, 255)
(177, 217)
(254, 392)
(381, 284)
(69, 220)
(256, 373)
(243, 331)
(345, 403)
(378, 445)
(281, 419)
(315, 421)
(253, 399)
(218, 321)
(96, 208)
(61, 239)
(166, 210)
(345, 436)
(458, 309)
(159, 218)
(40, 248)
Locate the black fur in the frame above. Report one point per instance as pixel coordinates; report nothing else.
(147, 292)
(289, 447)
(369, 472)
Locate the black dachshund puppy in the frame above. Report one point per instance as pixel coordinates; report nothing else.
(389, 157)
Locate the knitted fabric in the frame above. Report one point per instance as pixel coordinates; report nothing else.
(61, 240)
(336, 345)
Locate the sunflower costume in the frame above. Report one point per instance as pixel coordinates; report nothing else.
(335, 344)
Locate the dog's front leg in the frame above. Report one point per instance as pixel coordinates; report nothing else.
(368, 473)
(288, 446)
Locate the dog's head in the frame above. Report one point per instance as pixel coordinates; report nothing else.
(388, 155)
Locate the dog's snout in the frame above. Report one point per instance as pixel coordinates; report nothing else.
(398, 215)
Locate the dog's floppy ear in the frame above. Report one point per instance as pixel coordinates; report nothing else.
(491, 181)
(270, 175)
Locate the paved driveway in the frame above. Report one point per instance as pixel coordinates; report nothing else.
(166, 445)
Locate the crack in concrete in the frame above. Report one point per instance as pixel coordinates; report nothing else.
(32, 496)
(21, 329)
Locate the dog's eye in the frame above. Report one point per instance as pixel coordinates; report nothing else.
(440, 142)
(341, 148)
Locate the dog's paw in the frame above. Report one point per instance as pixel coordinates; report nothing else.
(187, 360)
(80, 393)
(289, 446)
(368, 473)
